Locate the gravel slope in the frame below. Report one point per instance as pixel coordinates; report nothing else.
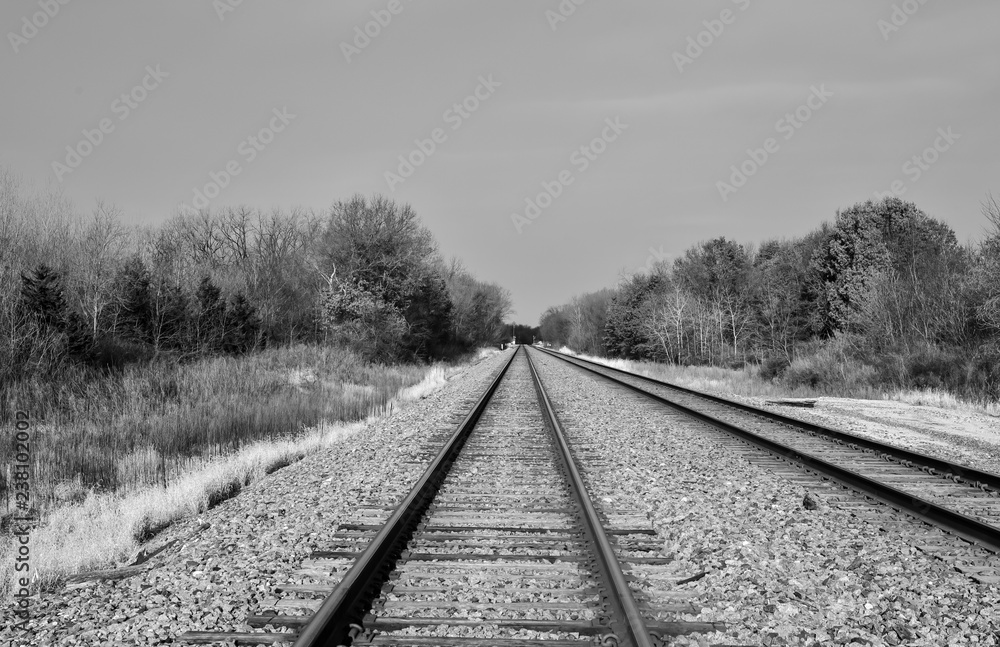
(777, 574)
(226, 563)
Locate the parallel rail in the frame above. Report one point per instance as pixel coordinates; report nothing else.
(336, 622)
(628, 620)
(922, 461)
(445, 522)
(973, 530)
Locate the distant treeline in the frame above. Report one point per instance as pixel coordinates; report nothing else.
(884, 295)
(94, 291)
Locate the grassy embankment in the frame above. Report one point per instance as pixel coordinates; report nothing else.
(117, 459)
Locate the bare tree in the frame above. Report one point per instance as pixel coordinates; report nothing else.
(102, 243)
(991, 209)
(987, 271)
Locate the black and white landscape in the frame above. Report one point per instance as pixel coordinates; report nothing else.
(554, 322)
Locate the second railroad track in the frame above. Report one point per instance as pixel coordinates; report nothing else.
(502, 541)
(960, 500)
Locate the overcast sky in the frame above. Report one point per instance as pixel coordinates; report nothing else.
(632, 127)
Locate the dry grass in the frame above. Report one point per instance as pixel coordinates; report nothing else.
(943, 400)
(150, 424)
(103, 529)
(107, 529)
(433, 380)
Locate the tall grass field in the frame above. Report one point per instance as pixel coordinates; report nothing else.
(116, 458)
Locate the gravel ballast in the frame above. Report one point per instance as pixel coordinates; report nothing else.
(774, 572)
(962, 433)
(224, 564)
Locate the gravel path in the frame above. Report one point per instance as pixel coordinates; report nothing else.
(225, 564)
(776, 573)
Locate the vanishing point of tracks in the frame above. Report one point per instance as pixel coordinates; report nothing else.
(499, 542)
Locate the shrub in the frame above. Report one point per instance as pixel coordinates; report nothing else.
(773, 367)
(934, 368)
(984, 374)
(831, 367)
(111, 353)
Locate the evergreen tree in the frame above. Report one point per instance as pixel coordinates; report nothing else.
(133, 311)
(42, 297)
(873, 243)
(242, 327)
(624, 334)
(428, 315)
(169, 318)
(210, 316)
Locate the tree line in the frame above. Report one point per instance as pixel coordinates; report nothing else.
(884, 294)
(96, 292)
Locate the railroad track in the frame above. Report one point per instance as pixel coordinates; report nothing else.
(498, 543)
(960, 500)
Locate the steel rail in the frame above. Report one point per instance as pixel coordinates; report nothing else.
(624, 609)
(959, 524)
(939, 466)
(337, 620)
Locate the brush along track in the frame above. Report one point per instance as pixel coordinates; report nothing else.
(497, 544)
(956, 498)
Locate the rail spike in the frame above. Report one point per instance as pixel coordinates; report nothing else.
(610, 640)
